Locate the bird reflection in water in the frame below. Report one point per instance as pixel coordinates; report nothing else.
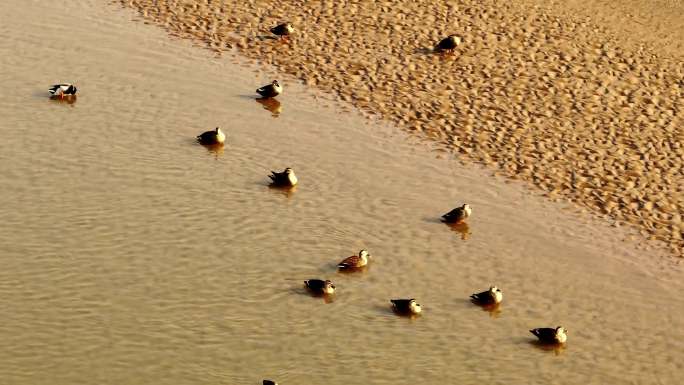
(67, 99)
(272, 105)
(215, 149)
(461, 228)
(557, 349)
(493, 310)
(288, 191)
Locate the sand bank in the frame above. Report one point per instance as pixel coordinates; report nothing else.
(561, 102)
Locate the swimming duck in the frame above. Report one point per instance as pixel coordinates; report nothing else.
(287, 178)
(551, 335)
(406, 306)
(212, 137)
(269, 382)
(62, 90)
(492, 296)
(355, 261)
(271, 90)
(458, 215)
(320, 286)
(283, 30)
(448, 44)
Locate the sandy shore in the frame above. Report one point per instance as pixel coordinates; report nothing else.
(569, 104)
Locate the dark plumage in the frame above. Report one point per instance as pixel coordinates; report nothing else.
(406, 306)
(449, 43)
(282, 30)
(458, 214)
(215, 136)
(62, 90)
(269, 382)
(271, 90)
(488, 297)
(320, 286)
(550, 335)
(287, 178)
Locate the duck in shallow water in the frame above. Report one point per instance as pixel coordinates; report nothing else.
(355, 261)
(270, 90)
(287, 178)
(62, 90)
(213, 137)
(269, 382)
(283, 30)
(448, 44)
(406, 306)
(550, 335)
(458, 215)
(493, 296)
(319, 286)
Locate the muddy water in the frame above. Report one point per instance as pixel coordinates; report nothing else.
(131, 255)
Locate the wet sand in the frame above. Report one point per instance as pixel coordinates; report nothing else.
(569, 99)
(132, 255)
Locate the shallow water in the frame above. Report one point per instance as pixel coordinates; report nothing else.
(131, 255)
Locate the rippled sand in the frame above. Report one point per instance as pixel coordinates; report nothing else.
(582, 110)
(132, 255)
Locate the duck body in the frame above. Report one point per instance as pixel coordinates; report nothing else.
(213, 137)
(448, 44)
(355, 261)
(282, 30)
(319, 286)
(406, 306)
(458, 215)
(556, 335)
(492, 296)
(269, 382)
(287, 178)
(62, 90)
(270, 90)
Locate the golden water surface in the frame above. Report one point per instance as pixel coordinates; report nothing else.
(132, 255)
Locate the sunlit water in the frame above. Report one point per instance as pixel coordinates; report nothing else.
(132, 255)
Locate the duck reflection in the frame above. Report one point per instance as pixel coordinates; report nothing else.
(557, 349)
(461, 228)
(288, 191)
(66, 100)
(215, 149)
(272, 105)
(493, 310)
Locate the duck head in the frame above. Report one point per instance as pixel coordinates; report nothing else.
(289, 28)
(414, 307)
(328, 287)
(496, 293)
(364, 255)
(455, 39)
(291, 176)
(467, 209)
(277, 86)
(561, 334)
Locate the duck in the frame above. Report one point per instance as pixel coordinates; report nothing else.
(493, 296)
(319, 286)
(406, 306)
(458, 215)
(283, 30)
(213, 137)
(270, 90)
(62, 90)
(287, 178)
(355, 261)
(550, 335)
(448, 44)
(269, 382)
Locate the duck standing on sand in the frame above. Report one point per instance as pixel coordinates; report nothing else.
(406, 306)
(62, 90)
(319, 286)
(283, 30)
(493, 296)
(271, 90)
(212, 137)
(458, 215)
(550, 335)
(355, 261)
(448, 44)
(287, 178)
